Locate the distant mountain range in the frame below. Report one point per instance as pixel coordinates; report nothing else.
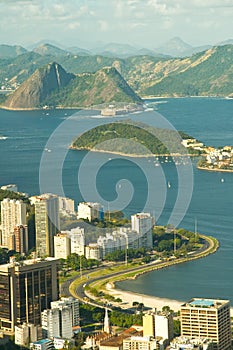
(206, 73)
(52, 86)
(175, 47)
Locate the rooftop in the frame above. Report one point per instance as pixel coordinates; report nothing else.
(206, 303)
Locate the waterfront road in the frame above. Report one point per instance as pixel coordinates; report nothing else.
(210, 246)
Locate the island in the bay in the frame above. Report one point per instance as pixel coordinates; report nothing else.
(134, 139)
(138, 139)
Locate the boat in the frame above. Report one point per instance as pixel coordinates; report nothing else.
(169, 184)
(3, 137)
(222, 179)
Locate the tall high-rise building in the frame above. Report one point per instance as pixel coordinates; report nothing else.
(19, 239)
(142, 223)
(13, 212)
(210, 319)
(27, 288)
(47, 223)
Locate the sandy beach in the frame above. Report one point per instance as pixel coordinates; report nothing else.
(152, 302)
(149, 301)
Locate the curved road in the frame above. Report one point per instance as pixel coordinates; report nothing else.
(207, 247)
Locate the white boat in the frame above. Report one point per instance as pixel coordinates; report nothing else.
(3, 137)
(169, 184)
(222, 179)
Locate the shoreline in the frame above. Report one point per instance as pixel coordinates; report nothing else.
(133, 155)
(148, 300)
(153, 301)
(216, 170)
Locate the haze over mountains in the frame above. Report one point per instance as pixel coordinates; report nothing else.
(175, 47)
(93, 77)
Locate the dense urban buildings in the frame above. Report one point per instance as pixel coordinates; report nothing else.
(47, 223)
(27, 288)
(207, 318)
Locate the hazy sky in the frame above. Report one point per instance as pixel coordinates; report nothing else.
(146, 23)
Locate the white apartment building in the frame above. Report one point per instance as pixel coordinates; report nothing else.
(25, 333)
(164, 326)
(50, 322)
(66, 205)
(13, 213)
(143, 223)
(77, 240)
(62, 246)
(61, 318)
(90, 211)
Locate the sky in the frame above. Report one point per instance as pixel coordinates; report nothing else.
(88, 23)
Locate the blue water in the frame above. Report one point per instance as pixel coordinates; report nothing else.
(209, 120)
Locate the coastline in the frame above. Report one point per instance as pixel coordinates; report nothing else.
(107, 283)
(148, 300)
(215, 169)
(132, 154)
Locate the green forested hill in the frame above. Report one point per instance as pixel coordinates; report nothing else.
(128, 138)
(206, 73)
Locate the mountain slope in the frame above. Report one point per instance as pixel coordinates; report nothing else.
(7, 51)
(53, 87)
(48, 49)
(206, 73)
(39, 86)
(86, 90)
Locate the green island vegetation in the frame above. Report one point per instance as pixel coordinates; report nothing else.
(132, 138)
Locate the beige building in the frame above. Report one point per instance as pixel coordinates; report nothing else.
(210, 319)
(13, 212)
(149, 325)
(158, 325)
(27, 288)
(139, 343)
(61, 246)
(93, 251)
(47, 223)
